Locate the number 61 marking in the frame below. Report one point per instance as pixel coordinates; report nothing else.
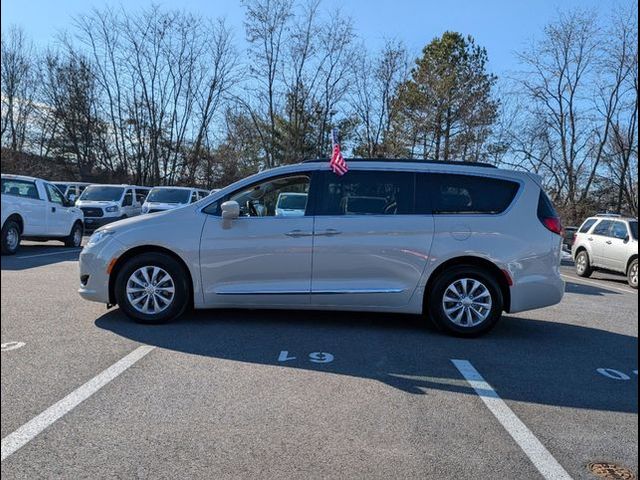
(315, 357)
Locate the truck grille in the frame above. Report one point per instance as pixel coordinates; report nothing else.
(92, 212)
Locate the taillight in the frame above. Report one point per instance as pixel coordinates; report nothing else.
(547, 214)
(553, 224)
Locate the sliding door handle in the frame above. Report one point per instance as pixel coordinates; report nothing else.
(298, 233)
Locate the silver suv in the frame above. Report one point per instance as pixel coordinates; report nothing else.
(607, 242)
(458, 242)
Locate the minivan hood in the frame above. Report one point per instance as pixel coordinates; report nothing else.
(141, 221)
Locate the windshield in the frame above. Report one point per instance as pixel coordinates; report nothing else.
(169, 195)
(99, 193)
(292, 202)
(634, 230)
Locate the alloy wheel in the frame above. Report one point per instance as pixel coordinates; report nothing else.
(150, 290)
(467, 302)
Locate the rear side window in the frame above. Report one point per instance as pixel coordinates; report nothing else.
(19, 188)
(586, 226)
(464, 194)
(619, 230)
(366, 193)
(603, 228)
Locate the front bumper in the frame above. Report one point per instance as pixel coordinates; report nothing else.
(92, 223)
(93, 264)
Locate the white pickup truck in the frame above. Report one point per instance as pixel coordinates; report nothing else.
(34, 209)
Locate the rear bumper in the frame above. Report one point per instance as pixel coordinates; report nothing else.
(536, 291)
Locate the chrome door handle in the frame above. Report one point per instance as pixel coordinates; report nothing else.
(608, 242)
(330, 232)
(590, 239)
(298, 233)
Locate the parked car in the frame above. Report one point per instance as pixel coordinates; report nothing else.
(459, 242)
(568, 236)
(161, 199)
(607, 242)
(103, 204)
(71, 190)
(291, 204)
(35, 209)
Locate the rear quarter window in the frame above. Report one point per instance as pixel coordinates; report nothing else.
(463, 194)
(20, 188)
(586, 226)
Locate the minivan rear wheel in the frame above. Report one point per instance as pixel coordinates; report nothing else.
(583, 265)
(465, 301)
(152, 288)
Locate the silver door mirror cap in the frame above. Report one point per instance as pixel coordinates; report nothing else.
(230, 210)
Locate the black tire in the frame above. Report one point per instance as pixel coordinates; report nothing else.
(632, 274)
(73, 240)
(10, 228)
(176, 271)
(583, 265)
(436, 297)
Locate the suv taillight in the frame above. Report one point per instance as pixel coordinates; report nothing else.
(547, 214)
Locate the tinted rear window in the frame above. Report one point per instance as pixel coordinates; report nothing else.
(545, 207)
(366, 193)
(463, 194)
(586, 226)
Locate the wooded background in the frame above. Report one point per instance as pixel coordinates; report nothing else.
(163, 97)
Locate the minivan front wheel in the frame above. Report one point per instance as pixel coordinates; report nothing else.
(152, 288)
(465, 301)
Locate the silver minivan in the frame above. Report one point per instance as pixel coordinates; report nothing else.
(458, 242)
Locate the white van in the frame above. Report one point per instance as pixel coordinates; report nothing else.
(168, 198)
(102, 204)
(71, 190)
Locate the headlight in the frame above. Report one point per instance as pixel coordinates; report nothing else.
(111, 209)
(98, 237)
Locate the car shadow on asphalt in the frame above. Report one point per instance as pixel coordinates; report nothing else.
(35, 255)
(584, 289)
(525, 360)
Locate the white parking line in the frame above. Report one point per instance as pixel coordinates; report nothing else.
(546, 464)
(598, 284)
(33, 427)
(69, 250)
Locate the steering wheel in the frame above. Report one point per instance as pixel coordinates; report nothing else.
(253, 212)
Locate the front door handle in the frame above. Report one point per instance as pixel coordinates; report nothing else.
(330, 232)
(298, 233)
(590, 239)
(53, 209)
(608, 242)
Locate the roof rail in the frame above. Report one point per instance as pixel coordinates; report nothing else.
(613, 215)
(407, 160)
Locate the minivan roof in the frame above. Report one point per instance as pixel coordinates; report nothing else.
(406, 160)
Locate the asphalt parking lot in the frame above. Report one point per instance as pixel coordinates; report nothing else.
(271, 394)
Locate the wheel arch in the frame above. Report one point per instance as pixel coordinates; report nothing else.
(468, 260)
(18, 219)
(126, 256)
(631, 259)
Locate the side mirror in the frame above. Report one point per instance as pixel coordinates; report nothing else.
(230, 210)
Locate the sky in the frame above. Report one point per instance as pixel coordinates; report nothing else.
(501, 26)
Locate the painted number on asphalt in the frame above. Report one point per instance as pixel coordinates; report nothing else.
(315, 357)
(615, 374)
(11, 346)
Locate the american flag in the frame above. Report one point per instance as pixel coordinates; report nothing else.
(337, 163)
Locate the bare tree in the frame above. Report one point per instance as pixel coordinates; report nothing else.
(17, 88)
(373, 99)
